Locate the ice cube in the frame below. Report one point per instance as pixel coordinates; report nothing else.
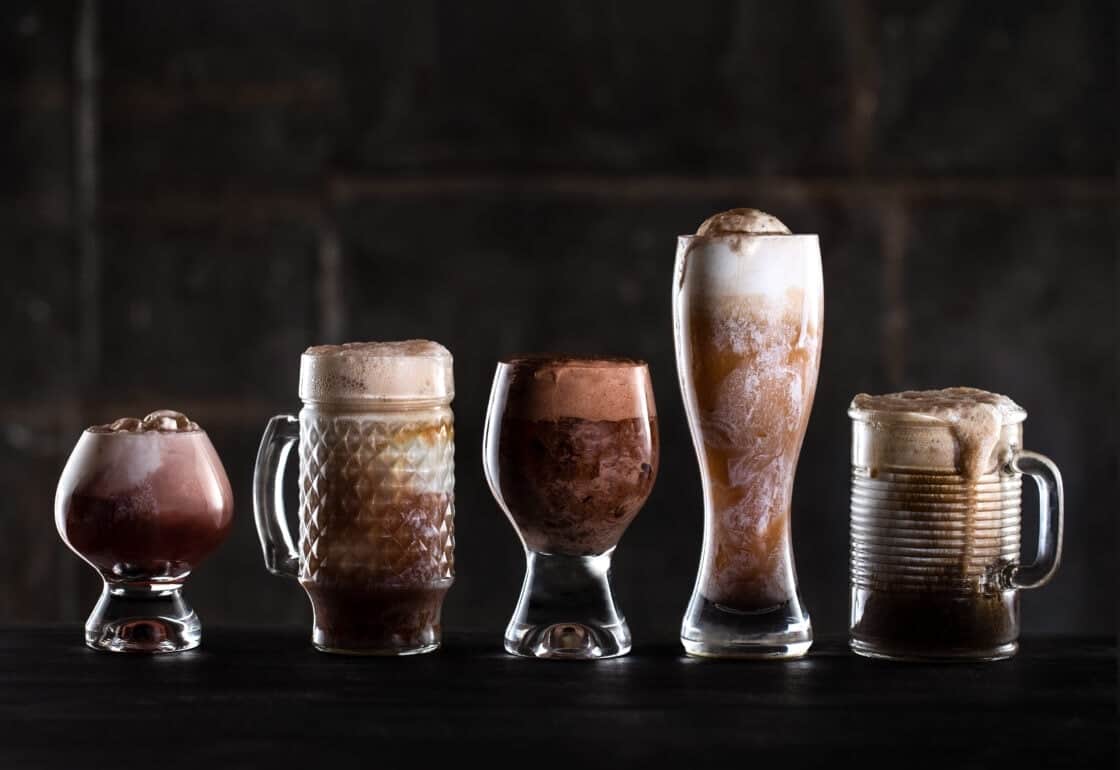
(168, 420)
(126, 425)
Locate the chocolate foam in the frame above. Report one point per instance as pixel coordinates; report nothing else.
(409, 370)
(552, 387)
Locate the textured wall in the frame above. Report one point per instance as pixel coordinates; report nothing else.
(194, 192)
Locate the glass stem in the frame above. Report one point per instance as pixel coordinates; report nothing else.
(143, 617)
(567, 610)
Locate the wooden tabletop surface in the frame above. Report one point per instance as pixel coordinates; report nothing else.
(260, 697)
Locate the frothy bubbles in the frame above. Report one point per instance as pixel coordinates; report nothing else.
(407, 370)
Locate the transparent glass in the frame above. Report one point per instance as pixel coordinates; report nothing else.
(143, 509)
(376, 545)
(934, 570)
(748, 315)
(570, 452)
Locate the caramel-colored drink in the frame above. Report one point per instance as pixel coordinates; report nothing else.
(376, 525)
(376, 543)
(748, 320)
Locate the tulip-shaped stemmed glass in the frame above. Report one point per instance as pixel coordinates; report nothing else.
(570, 452)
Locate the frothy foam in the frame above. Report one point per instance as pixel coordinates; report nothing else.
(975, 419)
(411, 370)
(130, 457)
(739, 265)
(546, 387)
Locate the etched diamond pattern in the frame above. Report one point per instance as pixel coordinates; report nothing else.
(377, 498)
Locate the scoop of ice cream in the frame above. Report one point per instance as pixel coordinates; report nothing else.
(162, 420)
(742, 222)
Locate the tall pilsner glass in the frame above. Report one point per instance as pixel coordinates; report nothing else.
(748, 314)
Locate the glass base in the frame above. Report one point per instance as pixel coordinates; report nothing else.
(869, 650)
(395, 652)
(712, 630)
(568, 641)
(567, 611)
(143, 618)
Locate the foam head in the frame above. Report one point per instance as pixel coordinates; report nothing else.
(949, 405)
(552, 387)
(966, 429)
(748, 252)
(412, 370)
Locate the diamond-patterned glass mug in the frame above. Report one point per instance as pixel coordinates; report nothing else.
(376, 494)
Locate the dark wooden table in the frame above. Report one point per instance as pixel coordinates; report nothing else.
(256, 698)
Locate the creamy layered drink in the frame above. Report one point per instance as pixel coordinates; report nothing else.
(143, 501)
(935, 523)
(570, 451)
(577, 448)
(377, 474)
(748, 317)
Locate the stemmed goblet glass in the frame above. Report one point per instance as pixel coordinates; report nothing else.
(570, 452)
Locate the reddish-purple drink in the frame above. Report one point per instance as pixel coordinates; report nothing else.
(143, 502)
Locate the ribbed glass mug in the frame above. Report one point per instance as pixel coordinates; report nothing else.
(934, 568)
(376, 495)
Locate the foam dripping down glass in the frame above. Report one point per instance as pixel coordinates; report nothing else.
(748, 315)
(936, 509)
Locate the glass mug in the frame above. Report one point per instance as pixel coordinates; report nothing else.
(376, 494)
(934, 570)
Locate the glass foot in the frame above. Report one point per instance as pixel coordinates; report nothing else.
(567, 611)
(712, 630)
(917, 655)
(151, 619)
(568, 641)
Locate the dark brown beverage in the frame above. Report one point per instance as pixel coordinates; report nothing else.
(935, 525)
(933, 624)
(352, 616)
(570, 452)
(573, 486)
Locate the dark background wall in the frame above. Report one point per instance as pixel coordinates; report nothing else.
(194, 192)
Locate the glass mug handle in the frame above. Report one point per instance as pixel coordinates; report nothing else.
(1051, 520)
(280, 554)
